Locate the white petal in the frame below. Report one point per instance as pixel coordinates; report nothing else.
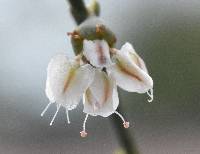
(115, 97)
(48, 92)
(134, 57)
(97, 52)
(59, 59)
(68, 81)
(101, 98)
(128, 75)
(127, 47)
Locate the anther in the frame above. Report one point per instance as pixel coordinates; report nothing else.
(125, 123)
(83, 134)
(74, 35)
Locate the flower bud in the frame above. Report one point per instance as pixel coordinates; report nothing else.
(94, 8)
(91, 29)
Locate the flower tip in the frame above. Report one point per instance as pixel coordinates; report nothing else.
(83, 134)
(126, 124)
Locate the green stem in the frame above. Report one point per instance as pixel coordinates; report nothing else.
(78, 10)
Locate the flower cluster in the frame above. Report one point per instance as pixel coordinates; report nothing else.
(93, 76)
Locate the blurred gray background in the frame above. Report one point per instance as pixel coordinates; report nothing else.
(165, 33)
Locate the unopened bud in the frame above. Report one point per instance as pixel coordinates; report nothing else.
(91, 29)
(94, 8)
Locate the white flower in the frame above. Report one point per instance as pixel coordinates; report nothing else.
(94, 76)
(130, 71)
(101, 98)
(126, 69)
(66, 82)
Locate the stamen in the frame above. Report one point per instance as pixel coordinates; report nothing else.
(150, 94)
(67, 113)
(45, 109)
(120, 116)
(125, 123)
(83, 132)
(58, 107)
(74, 35)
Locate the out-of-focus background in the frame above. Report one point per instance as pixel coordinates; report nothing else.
(165, 33)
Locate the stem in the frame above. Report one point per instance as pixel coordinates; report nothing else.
(78, 10)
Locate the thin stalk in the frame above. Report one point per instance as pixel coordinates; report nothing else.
(78, 10)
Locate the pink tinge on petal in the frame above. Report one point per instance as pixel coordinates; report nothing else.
(133, 56)
(128, 75)
(97, 52)
(138, 61)
(66, 83)
(101, 57)
(132, 73)
(69, 77)
(101, 98)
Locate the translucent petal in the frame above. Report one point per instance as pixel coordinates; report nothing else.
(68, 81)
(61, 59)
(101, 98)
(97, 52)
(49, 92)
(128, 75)
(134, 57)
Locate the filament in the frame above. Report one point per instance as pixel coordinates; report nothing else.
(120, 116)
(84, 123)
(125, 123)
(45, 109)
(58, 107)
(67, 113)
(150, 94)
